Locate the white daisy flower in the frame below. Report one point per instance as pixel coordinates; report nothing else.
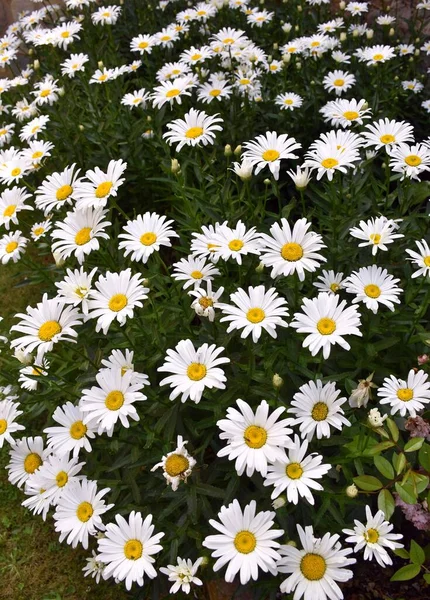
(193, 271)
(46, 91)
(338, 81)
(54, 476)
(194, 129)
(26, 456)
(66, 33)
(373, 55)
(106, 15)
(314, 571)
(78, 512)
(11, 171)
(328, 157)
(79, 233)
(166, 37)
(193, 370)
(75, 288)
(8, 413)
(73, 64)
(12, 245)
(290, 251)
(413, 85)
(373, 286)
(377, 232)
(50, 322)
(374, 537)
(58, 190)
(24, 109)
(136, 98)
(127, 549)
(73, 434)
(6, 133)
(329, 281)
(115, 298)
(386, 132)
(101, 76)
(142, 43)
(33, 128)
(204, 244)
(177, 465)
(101, 186)
(119, 360)
(288, 101)
(172, 70)
(94, 567)
(254, 440)
(39, 229)
(112, 400)
(37, 503)
(269, 149)
(343, 113)
(300, 177)
(206, 301)
(171, 91)
(316, 408)
(246, 541)
(37, 151)
(145, 235)
(243, 169)
(254, 311)
(237, 242)
(326, 321)
(406, 397)
(216, 89)
(193, 55)
(296, 473)
(28, 376)
(421, 259)
(182, 575)
(411, 161)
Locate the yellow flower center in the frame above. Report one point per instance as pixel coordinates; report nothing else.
(143, 45)
(81, 291)
(3, 131)
(83, 236)
(194, 132)
(38, 231)
(273, 67)
(255, 436)
(245, 542)
(371, 536)
(271, 155)
(201, 13)
(288, 101)
(36, 372)
(35, 128)
(65, 34)
(62, 478)
(103, 77)
(173, 93)
(11, 246)
(294, 471)
(84, 512)
(315, 44)
(339, 82)
(106, 14)
(63, 192)
(147, 239)
(166, 38)
(291, 252)
(405, 394)
(214, 93)
(236, 245)
(313, 566)
(133, 549)
(375, 238)
(3, 426)
(292, 49)
(228, 41)
(329, 163)
(9, 210)
(387, 138)
(118, 302)
(197, 275)
(372, 290)
(37, 154)
(196, 371)
(426, 260)
(255, 315)
(413, 160)
(196, 56)
(103, 189)
(244, 81)
(78, 430)
(48, 330)
(326, 326)
(45, 93)
(378, 56)
(176, 464)
(350, 115)
(114, 400)
(32, 462)
(205, 302)
(15, 172)
(334, 287)
(319, 411)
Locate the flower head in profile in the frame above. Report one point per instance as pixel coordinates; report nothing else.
(177, 465)
(8, 413)
(420, 259)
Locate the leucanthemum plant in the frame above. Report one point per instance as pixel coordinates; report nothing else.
(220, 212)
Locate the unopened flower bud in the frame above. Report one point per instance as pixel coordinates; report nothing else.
(146, 282)
(59, 261)
(100, 64)
(259, 268)
(355, 33)
(175, 166)
(205, 561)
(277, 381)
(279, 502)
(227, 150)
(286, 58)
(275, 46)
(81, 127)
(417, 52)
(23, 357)
(342, 5)
(299, 8)
(238, 150)
(291, 543)
(296, 28)
(342, 36)
(36, 65)
(61, 91)
(423, 359)
(369, 34)
(31, 52)
(391, 32)
(352, 491)
(298, 65)
(266, 182)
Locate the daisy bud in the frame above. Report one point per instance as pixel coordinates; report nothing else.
(175, 167)
(81, 127)
(352, 491)
(342, 36)
(266, 182)
(369, 34)
(145, 282)
(259, 268)
(391, 32)
(291, 543)
(100, 64)
(36, 65)
(355, 33)
(23, 357)
(61, 91)
(279, 502)
(30, 52)
(238, 150)
(417, 52)
(298, 65)
(205, 561)
(275, 46)
(277, 381)
(227, 150)
(423, 359)
(299, 8)
(286, 58)
(375, 419)
(296, 28)
(58, 260)
(342, 5)
(338, 468)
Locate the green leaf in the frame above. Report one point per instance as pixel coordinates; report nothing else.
(421, 482)
(414, 444)
(377, 448)
(426, 577)
(393, 429)
(424, 457)
(405, 573)
(402, 553)
(384, 467)
(386, 503)
(399, 462)
(416, 553)
(367, 483)
(406, 493)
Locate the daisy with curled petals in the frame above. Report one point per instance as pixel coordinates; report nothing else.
(374, 537)
(33, 128)
(50, 322)
(78, 512)
(12, 245)
(145, 235)
(136, 98)
(8, 413)
(11, 171)
(330, 282)
(28, 376)
(115, 298)
(385, 133)
(6, 133)
(373, 55)
(177, 465)
(112, 400)
(26, 456)
(254, 311)
(37, 151)
(269, 149)
(246, 542)
(316, 408)
(124, 361)
(421, 259)
(288, 101)
(296, 473)
(193, 271)
(373, 286)
(73, 64)
(329, 157)
(411, 161)
(57, 190)
(254, 440)
(338, 81)
(100, 185)
(376, 232)
(37, 502)
(206, 301)
(343, 113)
(93, 567)
(314, 570)
(72, 435)
(193, 370)
(406, 397)
(54, 475)
(326, 321)
(75, 288)
(237, 242)
(106, 15)
(182, 574)
(79, 233)
(194, 129)
(171, 91)
(290, 251)
(127, 547)
(204, 244)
